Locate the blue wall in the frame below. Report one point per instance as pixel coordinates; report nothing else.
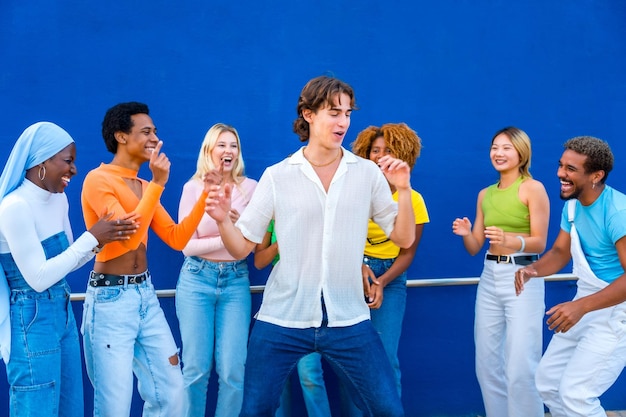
(456, 71)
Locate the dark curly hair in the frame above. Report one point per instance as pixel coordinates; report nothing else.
(597, 151)
(118, 119)
(316, 94)
(399, 138)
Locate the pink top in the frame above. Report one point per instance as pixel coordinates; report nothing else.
(206, 241)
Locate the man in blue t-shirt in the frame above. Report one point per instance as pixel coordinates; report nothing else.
(588, 350)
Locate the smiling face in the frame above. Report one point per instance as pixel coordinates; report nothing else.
(328, 126)
(226, 151)
(503, 154)
(575, 182)
(141, 140)
(59, 170)
(379, 149)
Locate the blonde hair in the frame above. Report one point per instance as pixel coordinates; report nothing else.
(521, 142)
(205, 162)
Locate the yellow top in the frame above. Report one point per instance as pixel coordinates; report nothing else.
(378, 244)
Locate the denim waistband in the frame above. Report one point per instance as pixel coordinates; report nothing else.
(59, 290)
(217, 266)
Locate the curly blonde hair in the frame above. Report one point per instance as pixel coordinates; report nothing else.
(399, 138)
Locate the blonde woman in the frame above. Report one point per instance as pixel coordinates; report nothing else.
(213, 290)
(512, 215)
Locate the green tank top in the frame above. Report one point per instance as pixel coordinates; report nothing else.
(502, 208)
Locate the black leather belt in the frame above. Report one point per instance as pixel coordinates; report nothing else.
(509, 259)
(107, 280)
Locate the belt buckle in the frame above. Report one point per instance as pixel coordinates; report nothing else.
(504, 259)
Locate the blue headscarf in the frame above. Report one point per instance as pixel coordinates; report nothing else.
(37, 144)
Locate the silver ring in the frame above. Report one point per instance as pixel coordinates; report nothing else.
(118, 222)
(119, 233)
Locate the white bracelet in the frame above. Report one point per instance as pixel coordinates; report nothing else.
(521, 238)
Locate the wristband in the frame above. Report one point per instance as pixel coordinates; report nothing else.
(521, 238)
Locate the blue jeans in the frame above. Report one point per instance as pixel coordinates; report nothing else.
(311, 376)
(213, 309)
(387, 320)
(125, 332)
(351, 351)
(44, 370)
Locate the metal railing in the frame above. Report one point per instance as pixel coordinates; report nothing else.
(411, 283)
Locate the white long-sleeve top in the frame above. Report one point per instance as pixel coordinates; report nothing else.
(29, 215)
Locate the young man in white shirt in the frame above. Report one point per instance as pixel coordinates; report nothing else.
(321, 198)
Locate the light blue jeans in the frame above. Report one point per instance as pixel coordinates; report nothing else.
(44, 371)
(311, 378)
(213, 309)
(387, 320)
(125, 332)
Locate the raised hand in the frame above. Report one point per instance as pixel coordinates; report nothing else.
(461, 227)
(159, 165)
(397, 172)
(217, 203)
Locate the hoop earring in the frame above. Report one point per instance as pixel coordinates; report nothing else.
(39, 174)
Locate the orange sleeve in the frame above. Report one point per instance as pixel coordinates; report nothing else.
(105, 193)
(177, 235)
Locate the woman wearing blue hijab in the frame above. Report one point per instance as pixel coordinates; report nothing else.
(38, 335)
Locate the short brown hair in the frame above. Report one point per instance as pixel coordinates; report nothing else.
(317, 93)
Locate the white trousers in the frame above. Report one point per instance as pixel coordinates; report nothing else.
(581, 364)
(508, 333)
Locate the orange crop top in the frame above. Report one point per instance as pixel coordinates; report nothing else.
(105, 191)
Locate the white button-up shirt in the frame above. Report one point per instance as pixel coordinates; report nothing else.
(321, 237)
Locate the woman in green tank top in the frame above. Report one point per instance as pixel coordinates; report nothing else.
(513, 216)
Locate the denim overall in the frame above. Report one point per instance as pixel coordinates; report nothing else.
(44, 370)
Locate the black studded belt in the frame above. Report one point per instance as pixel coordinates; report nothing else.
(509, 259)
(107, 280)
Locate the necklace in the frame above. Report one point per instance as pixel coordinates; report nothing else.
(322, 165)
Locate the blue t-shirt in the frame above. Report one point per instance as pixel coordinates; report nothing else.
(599, 226)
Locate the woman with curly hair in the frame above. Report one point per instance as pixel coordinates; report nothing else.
(384, 263)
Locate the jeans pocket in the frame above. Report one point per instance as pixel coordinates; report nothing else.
(108, 295)
(192, 266)
(32, 400)
(617, 321)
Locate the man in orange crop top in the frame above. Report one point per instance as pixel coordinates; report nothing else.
(123, 325)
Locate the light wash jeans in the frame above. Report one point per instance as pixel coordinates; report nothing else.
(125, 332)
(352, 352)
(582, 363)
(508, 333)
(213, 309)
(311, 376)
(44, 371)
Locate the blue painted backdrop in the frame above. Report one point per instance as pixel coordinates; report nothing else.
(456, 71)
